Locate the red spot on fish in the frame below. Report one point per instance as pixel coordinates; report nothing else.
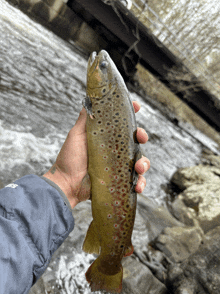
(106, 204)
(116, 225)
(117, 203)
(115, 238)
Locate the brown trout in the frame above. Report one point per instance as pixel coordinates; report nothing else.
(113, 151)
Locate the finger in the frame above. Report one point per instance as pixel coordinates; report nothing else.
(142, 165)
(80, 125)
(141, 184)
(136, 106)
(142, 136)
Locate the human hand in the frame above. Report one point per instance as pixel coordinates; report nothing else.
(69, 171)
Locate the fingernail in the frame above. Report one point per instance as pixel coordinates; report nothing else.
(142, 186)
(145, 166)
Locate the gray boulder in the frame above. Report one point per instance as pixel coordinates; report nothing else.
(201, 185)
(200, 273)
(178, 243)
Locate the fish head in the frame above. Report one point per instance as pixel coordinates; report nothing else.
(102, 75)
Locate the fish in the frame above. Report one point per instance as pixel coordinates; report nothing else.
(112, 153)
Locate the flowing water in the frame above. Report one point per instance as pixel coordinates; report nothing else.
(42, 84)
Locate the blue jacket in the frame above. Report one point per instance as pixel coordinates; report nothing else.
(35, 219)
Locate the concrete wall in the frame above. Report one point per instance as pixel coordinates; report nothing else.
(59, 18)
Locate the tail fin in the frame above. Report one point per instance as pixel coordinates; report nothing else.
(100, 281)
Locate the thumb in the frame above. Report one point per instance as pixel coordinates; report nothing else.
(80, 125)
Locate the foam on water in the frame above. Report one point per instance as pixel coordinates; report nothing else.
(19, 147)
(71, 273)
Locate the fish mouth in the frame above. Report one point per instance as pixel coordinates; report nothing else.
(92, 63)
(92, 58)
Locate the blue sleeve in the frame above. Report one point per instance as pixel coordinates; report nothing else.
(34, 221)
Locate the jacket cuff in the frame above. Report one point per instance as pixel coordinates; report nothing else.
(65, 199)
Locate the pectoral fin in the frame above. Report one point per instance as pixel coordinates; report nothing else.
(87, 104)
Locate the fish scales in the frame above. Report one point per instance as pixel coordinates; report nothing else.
(112, 151)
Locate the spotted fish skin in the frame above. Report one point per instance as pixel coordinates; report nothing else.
(112, 151)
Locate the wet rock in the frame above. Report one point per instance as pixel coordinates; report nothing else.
(156, 217)
(201, 185)
(205, 200)
(139, 279)
(155, 260)
(200, 273)
(1, 184)
(178, 243)
(200, 174)
(212, 160)
(183, 213)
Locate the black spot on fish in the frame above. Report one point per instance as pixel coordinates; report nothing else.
(117, 96)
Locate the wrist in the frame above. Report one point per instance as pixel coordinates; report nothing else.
(62, 181)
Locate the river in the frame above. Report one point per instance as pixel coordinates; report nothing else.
(42, 84)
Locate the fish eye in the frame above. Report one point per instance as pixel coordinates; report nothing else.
(104, 64)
